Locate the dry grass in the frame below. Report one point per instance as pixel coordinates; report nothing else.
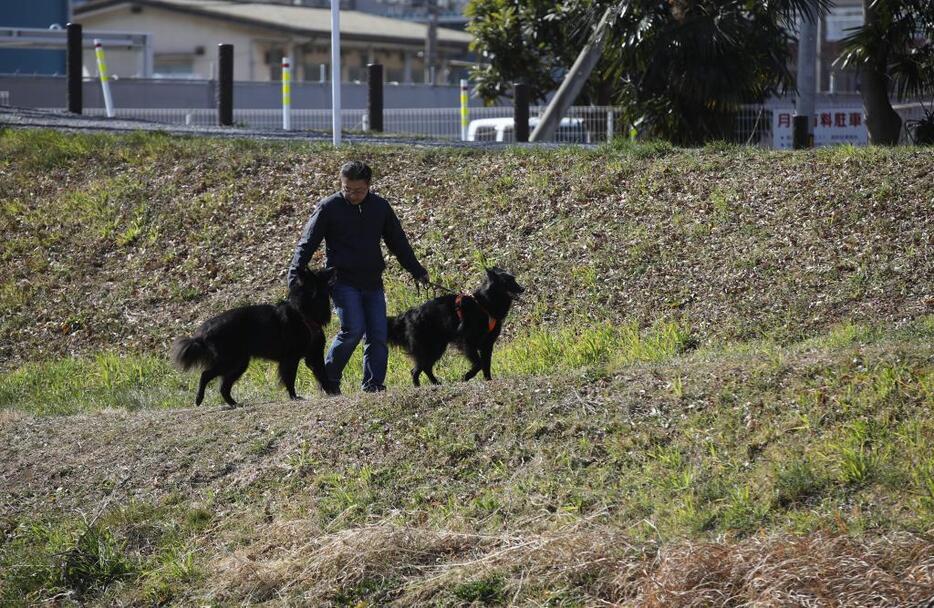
(818, 570)
(297, 562)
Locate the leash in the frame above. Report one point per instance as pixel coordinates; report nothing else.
(440, 287)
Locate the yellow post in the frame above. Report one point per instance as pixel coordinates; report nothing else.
(464, 111)
(286, 94)
(105, 80)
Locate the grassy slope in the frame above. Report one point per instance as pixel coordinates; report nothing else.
(121, 243)
(614, 462)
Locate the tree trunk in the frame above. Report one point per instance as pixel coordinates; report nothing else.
(883, 123)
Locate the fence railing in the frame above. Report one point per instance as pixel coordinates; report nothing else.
(592, 124)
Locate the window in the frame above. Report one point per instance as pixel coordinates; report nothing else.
(173, 67)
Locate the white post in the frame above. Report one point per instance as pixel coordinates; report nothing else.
(286, 95)
(464, 111)
(322, 73)
(105, 80)
(609, 125)
(336, 71)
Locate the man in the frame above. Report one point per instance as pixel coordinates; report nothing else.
(352, 223)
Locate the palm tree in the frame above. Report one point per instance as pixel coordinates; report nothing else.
(681, 67)
(893, 51)
(688, 65)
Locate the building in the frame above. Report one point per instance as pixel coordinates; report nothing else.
(843, 17)
(450, 12)
(185, 35)
(43, 14)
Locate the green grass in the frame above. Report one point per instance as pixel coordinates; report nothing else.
(133, 382)
(743, 445)
(144, 548)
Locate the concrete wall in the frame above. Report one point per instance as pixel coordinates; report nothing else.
(49, 92)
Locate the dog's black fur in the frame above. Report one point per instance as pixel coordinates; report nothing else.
(286, 333)
(424, 332)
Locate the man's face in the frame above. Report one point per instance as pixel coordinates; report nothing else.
(354, 190)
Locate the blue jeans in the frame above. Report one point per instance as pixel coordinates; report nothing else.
(362, 313)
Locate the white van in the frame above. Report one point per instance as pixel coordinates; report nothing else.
(570, 130)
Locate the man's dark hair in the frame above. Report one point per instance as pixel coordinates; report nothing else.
(356, 170)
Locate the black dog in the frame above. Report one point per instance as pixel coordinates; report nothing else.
(473, 322)
(286, 333)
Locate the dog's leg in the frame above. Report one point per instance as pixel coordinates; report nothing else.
(431, 376)
(229, 378)
(287, 371)
(486, 357)
(315, 362)
(416, 372)
(476, 362)
(206, 376)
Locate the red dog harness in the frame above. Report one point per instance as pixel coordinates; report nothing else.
(459, 307)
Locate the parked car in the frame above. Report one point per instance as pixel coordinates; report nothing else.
(570, 130)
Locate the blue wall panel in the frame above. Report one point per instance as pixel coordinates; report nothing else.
(34, 13)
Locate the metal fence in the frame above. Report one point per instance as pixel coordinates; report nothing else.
(592, 124)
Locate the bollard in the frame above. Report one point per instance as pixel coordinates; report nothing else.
(375, 96)
(465, 112)
(610, 125)
(520, 111)
(225, 85)
(74, 67)
(286, 95)
(105, 80)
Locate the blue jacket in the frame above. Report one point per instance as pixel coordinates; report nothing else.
(352, 235)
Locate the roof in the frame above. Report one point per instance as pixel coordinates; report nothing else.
(295, 19)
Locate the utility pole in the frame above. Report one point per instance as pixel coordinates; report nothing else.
(803, 121)
(336, 72)
(576, 78)
(431, 42)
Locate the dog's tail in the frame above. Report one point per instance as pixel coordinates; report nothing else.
(191, 352)
(396, 330)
